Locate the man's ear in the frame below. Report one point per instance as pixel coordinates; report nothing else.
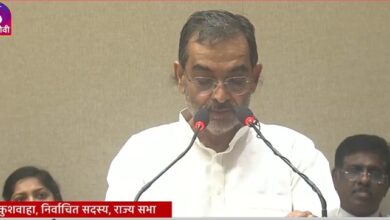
(334, 175)
(179, 75)
(256, 72)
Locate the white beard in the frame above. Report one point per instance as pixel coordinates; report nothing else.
(216, 127)
(220, 127)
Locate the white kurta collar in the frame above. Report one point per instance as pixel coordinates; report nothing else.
(344, 213)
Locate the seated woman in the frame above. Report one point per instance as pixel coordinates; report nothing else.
(31, 184)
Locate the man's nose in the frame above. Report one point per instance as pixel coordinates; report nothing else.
(220, 93)
(364, 178)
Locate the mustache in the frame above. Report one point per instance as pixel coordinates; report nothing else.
(362, 189)
(219, 106)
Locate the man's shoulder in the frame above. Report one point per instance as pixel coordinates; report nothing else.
(384, 215)
(276, 127)
(287, 140)
(152, 140)
(277, 131)
(161, 135)
(159, 130)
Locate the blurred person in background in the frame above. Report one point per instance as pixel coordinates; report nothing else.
(361, 175)
(31, 184)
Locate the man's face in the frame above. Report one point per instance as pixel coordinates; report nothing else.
(361, 195)
(219, 61)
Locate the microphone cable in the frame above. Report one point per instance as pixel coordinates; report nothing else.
(247, 118)
(201, 119)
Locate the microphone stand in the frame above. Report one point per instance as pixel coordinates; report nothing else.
(287, 161)
(149, 184)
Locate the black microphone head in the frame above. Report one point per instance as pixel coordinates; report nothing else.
(201, 119)
(244, 115)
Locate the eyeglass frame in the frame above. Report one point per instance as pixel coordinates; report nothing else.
(224, 82)
(354, 174)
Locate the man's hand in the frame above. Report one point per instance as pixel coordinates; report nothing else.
(297, 213)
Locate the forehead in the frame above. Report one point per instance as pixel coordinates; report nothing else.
(27, 184)
(227, 52)
(366, 159)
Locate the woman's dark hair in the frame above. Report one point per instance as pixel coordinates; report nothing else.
(29, 171)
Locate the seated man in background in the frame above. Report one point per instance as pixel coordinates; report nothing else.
(361, 175)
(31, 184)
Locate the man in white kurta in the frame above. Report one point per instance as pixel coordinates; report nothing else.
(245, 180)
(229, 171)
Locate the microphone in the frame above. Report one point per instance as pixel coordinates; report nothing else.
(201, 119)
(246, 117)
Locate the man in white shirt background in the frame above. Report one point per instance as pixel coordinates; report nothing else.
(361, 175)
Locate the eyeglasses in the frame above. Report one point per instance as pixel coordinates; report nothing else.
(237, 85)
(356, 172)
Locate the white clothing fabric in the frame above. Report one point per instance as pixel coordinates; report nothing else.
(245, 180)
(344, 213)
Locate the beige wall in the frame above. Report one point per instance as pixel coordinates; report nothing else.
(78, 78)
